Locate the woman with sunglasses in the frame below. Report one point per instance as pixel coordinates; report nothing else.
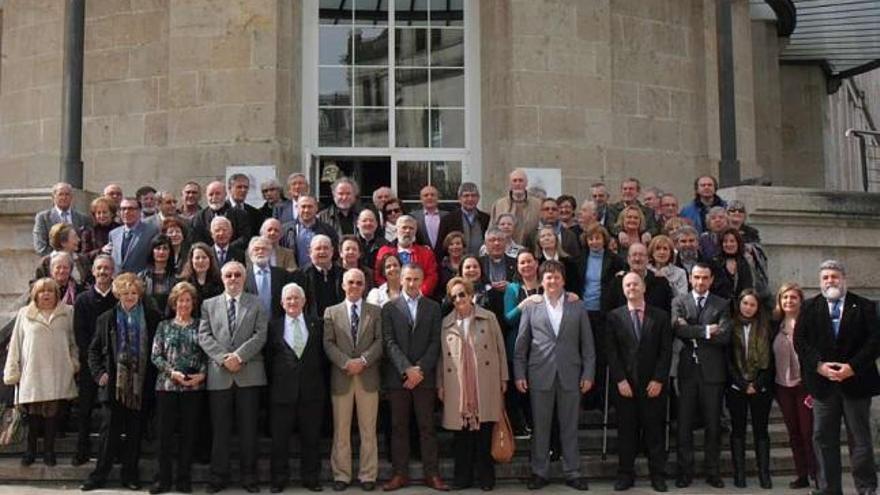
(391, 211)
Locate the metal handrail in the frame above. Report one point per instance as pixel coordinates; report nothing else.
(862, 135)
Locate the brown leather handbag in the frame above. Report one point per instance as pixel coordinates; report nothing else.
(503, 443)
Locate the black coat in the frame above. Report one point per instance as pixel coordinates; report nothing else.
(294, 379)
(88, 307)
(279, 277)
(409, 345)
(638, 361)
(857, 343)
(102, 354)
(309, 278)
(657, 292)
(454, 221)
(201, 224)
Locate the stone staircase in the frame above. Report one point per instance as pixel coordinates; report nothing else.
(592, 462)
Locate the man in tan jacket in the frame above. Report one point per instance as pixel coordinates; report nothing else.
(353, 343)
(525, 208)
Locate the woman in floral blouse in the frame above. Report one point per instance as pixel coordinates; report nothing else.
(180, 386)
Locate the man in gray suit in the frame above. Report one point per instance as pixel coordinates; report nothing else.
(61, 212)
(702, 321)
(353, 343)
(428, 219)
(555, 361)
(232, 333)
(130, 242)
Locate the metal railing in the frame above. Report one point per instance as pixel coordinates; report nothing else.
(869, 155)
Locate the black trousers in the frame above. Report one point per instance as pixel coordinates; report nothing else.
(473, 456)
(85, 403)
(175, 411)
(116, 421)
(306, 417)
(741, 406)
(696, 395)
(239, 407)
(640, 428)
(403, 402)
(595, 398)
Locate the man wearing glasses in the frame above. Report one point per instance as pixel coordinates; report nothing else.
(130, 242)
(232, 333)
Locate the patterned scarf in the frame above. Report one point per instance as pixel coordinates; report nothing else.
(469, 401)
(131, 361)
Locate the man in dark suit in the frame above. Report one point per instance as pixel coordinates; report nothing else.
(353, 343)
(263, 280)
(555, 362)
(638, 346)
(428, 219)
(238, 186)
(298, 389)
(131, 241)
(232, 333)
(225, 250)
(288, 210)
(298, 234)
(411, 334)
(62, 211)
(466, 219)
(568, 241)
(499, 269)
(837, 338)
(215, 194)
(702, 321)
(370, 237)
(321, 279)
(657, 290)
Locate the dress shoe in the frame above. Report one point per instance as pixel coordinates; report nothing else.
(536, 482)
(276, 488)
(659, 485)
(251, 487)
(90, 485)
(487, 488)
(79, 460)
(159, 487)
(395, 483)
(28, 459)
(132, 485)
(339, 486)
(49, 459)
(579, 484)
(368, 486)
(715, 482)
(214, 488)
(623, 484)
(313, 486)
(183, 487)
(800, 482)
(683, 481)
(458, 486)
(436, 483)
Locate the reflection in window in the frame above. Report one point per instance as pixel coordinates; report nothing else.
(412, 176)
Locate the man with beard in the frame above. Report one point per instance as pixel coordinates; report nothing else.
(687, 248)
(262, 279)
(409, 252)
(281, 257)
(838, 341)
(342, 214)
(525, 208)
(215, 194)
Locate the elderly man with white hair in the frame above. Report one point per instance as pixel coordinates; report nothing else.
(525, 208)
(322, 279)
(221, 237)
(62, 211)
(215, 195)
(281, 257)
(409, 252)
(837, 338)
(262, 279)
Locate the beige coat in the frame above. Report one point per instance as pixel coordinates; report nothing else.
(43, 356)
(526, 222)
(491, 367)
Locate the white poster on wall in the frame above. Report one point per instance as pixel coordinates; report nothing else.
(548, 179)
(257, 174)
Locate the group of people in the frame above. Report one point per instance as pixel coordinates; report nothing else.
(289, 318)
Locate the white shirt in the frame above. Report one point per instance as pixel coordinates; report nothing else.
(412, 304)
(379, 295)
(359, 307)
(465, 325)
(288, 329)
(555, 313)
(747, 329)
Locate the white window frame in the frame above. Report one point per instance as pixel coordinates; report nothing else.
(469, 156)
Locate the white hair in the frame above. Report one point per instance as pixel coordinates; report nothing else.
(219, 220)
(292, 287)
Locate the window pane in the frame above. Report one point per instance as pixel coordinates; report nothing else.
(412, 128)
(447, 128)
(371, 127)
(447, 13)
(371, 12)
(446, 177)
(447, 88)
(334, 86)
(411, 178)
(411, 12)
(371, 46)
(334, 127)
(447, 48)
(335, 11)
(412, 87)
(334, 45)
(370, 87)
(411, 47)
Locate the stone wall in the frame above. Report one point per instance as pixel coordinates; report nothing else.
(804, 101)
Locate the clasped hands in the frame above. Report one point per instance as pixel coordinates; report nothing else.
(653, 389)
(523, 386)
(232, 362)
(836, 372)
(354, 366)
(187, 380)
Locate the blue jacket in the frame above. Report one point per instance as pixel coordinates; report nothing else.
(695, 211)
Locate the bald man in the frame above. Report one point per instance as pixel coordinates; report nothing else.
(525, 208)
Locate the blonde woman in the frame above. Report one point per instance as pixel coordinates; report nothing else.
(42, 361)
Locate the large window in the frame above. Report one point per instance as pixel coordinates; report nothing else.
(391, 74)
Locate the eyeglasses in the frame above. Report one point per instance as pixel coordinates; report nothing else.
(124, 208)
(393, 210)
(459, 295)
(233, 275)
(735, 210)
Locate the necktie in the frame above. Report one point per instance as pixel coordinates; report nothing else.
(354, 324)
(126, 242)
(835, 317)
(405, 257)
(265, 291)
(65, 217)
(701, 303)
(637, 324)
(221, 256)
(289, 332)
(230, 315)
(299, 343)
